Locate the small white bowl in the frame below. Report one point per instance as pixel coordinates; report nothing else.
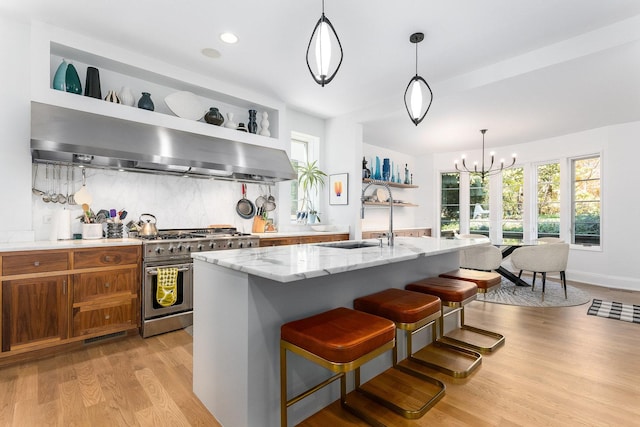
(186, 105)
(323, 228)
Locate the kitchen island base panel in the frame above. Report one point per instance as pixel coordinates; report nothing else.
(237, 319)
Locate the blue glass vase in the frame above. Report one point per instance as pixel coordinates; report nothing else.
(60, 77)
(72, 80)
(386, 170)
(378, 174)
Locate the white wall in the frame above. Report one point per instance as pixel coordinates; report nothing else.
(615, 264)
(15, 157)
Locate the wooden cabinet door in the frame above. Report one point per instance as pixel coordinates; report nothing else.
(34, 311)
(105, 301)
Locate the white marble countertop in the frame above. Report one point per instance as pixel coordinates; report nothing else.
(296, 262)
(66, 244)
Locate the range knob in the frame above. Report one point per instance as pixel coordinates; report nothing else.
(200, 246)
(249, 244)
(171, 249)
(240, 244)
(179, 248)
(230, 244)
(212, 245)
(159, 250)
(188, 248)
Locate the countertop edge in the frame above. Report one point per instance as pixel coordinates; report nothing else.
(66, 244)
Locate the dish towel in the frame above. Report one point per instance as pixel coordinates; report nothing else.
(166, 290)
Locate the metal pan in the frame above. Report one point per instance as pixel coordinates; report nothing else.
(245, 207)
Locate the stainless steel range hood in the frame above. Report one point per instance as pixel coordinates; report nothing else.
(75, 137)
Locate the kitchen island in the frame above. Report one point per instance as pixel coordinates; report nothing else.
(242, 297)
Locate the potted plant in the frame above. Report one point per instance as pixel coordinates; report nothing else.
(310, 178)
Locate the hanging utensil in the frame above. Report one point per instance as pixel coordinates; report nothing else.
(45, 196)
(245, 207)
(82, 195)
(270, 204)
(70, 198)
(62, 199)
(34, 190)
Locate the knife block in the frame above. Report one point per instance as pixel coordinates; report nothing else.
(258, 224)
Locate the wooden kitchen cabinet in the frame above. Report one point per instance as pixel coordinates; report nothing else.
(55, 297)
(34, 312)
(295, 240)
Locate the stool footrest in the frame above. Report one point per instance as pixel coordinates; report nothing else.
(426, 403)
(458, 362)
(477, 339)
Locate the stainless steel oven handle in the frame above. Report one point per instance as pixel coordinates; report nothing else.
(154, 271)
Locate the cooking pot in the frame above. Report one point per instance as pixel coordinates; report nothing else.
(148, 229)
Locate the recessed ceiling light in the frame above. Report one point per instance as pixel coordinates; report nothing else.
(229, 38)
(211, 53)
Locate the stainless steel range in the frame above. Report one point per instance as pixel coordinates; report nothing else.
(172, 249)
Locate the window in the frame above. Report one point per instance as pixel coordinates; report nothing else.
(548, 200)
(479, 208)
(585, 201)
(512, 203)
(299, 155)
(449, 204)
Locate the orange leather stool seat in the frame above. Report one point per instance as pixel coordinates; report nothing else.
(449, 290)
(399, 305)
(340, 340)
(340, 335)
(484, 280)
(455, 293)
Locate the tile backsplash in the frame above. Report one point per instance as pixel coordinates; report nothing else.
(177, 202)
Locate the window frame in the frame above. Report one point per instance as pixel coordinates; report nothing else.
(571, 162)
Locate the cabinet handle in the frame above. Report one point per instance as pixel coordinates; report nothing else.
(107, 258)
(36, 264)
(107, 285)
(106, 317)
(64, 287)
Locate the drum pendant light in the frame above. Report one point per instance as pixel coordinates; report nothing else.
(324, 52)
(418, 89)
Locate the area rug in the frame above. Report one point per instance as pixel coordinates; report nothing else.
(510, 294)
(615, 310)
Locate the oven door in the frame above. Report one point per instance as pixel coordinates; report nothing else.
(184, 290)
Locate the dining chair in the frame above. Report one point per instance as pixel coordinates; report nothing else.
(543, 259)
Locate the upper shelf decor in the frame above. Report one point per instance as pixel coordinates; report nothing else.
(185, 104)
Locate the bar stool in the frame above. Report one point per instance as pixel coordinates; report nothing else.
(340, 340)
(455, 294)
(413, 312)
(486, 281)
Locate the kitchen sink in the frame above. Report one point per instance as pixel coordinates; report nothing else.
(349, 245)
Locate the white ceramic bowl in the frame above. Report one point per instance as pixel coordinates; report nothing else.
(186, 105)
(323, 227)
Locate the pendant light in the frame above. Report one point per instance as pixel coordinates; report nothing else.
(417, 90)
(324, 52)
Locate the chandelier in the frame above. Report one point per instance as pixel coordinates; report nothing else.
(322, 60)
(482, 171)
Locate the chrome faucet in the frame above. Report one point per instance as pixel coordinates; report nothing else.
(385, 185)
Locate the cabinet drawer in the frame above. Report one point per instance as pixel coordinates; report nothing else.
(92, 286)
(102, 319)
(34, 262)
(106, 257)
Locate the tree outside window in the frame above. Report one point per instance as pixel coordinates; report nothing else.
(479, 207)
(449, 204)
(512, 203)
(586, 201)
(548, 198)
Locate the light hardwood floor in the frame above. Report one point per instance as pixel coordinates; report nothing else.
(559, 367)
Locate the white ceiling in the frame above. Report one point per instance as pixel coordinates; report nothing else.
(525, 69)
